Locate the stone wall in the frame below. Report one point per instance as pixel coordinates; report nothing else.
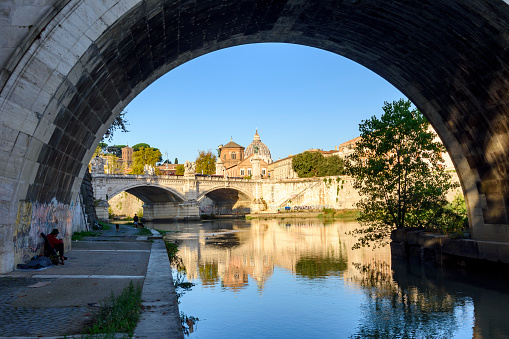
(437, 249)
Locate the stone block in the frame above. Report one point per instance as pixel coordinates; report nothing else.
(432, 240)
(399, 250)
(493, 251)
(24, 94)
(461, 247)
(44, 130)
(7, 189)
(33, 149)
(398, 235)
(413, 236)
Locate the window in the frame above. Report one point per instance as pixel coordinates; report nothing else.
(234, 155)
(242, 172)
(248, 171)
(263, 171)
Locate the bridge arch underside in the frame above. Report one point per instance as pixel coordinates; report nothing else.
(88, 59)
(225, 201)
(153, 194)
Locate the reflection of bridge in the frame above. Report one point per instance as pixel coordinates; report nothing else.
(182, 196)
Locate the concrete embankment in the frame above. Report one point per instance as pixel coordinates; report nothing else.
(433, 248)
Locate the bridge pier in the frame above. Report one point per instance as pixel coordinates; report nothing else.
(171, 210)
(101, 210)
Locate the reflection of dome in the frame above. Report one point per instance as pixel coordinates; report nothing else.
(263, 150)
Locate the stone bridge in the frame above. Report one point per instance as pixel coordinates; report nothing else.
(69, 67)
(168, 197)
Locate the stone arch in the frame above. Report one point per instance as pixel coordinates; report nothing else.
(86, 59)
(173, 193)
(246, 193)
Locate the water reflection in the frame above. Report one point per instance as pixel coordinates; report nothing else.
(399, 310)
(228, 253)
(305, 272)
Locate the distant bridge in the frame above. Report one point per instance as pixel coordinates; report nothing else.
(182, 196)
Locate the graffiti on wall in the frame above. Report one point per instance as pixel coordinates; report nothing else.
(34, 218)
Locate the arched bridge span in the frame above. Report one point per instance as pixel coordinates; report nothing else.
(70, 66)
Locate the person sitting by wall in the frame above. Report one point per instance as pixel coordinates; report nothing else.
(57, 244)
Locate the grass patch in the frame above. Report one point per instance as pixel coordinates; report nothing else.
(172, 250)
(144, 231)
(119, 314)
(105, 226)
(83, 234)
(329, 213)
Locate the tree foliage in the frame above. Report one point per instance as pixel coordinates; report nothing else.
(140, 145)
(179, 170)
(120, 123)
(206, 162)
(314, 164)
(144, 156)
(176, 161)
(398, 169)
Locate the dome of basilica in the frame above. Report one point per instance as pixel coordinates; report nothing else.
(263, 150)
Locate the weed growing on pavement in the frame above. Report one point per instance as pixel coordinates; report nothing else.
(80, 235)
(144, 231)
(119, 314)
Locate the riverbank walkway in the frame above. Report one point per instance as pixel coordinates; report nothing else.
(61, 301)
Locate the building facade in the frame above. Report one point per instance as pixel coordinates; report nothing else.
(236, 161)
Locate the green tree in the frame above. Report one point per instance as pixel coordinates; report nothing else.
(314, 164)
(113, 166)
(144, 156)
(206, 162)
(98, 152)
(176, 161)
(398, 169)
(103, 145)
(306, 164)
(179, 170)
(332, 165)
(140, 145)
(120, 123)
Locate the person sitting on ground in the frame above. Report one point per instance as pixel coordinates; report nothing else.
(57, 244)
(135, 219)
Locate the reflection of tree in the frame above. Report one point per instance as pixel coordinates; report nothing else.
(209, 273)
(317, 267)
(393, 311)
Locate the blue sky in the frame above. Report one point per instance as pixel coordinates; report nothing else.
(298, 97)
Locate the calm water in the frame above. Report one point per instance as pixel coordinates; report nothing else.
(301, 279)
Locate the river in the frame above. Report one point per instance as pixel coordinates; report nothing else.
(301, 279)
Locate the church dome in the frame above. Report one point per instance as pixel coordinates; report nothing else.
(263, 150)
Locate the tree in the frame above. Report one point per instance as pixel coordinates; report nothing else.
(398, 169)
(120, 123)
(98, 152)
(144, 156)
(103, 145)
(176, 161)
(113, 166)
(140, 145)
(206, 162)
(314, 164)
(179, 170)
(115, 149)
(306, 164)
(332, 165)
